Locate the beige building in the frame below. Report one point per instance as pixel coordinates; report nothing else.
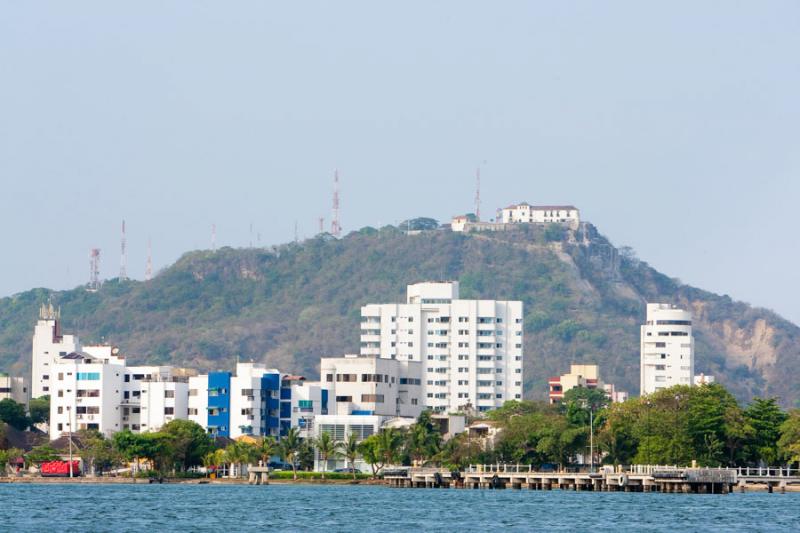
(587, 376)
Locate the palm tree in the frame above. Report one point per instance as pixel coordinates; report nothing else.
(267, 447)
(389, 441)
(290, 447)
(209, 460)
(350, 451)
(326, 447)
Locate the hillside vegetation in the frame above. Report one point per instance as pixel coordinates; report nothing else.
(288, 305)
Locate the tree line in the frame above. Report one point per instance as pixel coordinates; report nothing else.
(678, 425)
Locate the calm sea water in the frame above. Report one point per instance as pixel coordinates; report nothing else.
(220, 508)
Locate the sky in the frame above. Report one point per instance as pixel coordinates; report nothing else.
(673, 126)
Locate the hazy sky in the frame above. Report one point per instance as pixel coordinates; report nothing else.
(675, 128)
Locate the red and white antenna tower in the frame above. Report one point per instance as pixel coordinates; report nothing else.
(213, 237)
(336, 227)
(148, 269)
(123, 261)
(478, 194)
(94, 270)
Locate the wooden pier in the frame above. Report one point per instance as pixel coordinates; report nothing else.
(637, 478)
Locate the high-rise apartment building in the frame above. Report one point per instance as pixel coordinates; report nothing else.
(470, 350)
(667, 348)
(48, 346)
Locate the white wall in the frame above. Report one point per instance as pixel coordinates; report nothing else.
(667, 348)
(445, 338)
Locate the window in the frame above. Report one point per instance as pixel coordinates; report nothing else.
(169, 394)
(346, 377)
(60, 410)
(60, 376)
(374, 398)
(329, 377)
(88, 376)
(169, 410)
(60, 393)
(193, 411)
(344, 398)
(247, 392)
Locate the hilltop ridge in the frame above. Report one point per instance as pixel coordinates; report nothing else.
(289, 305)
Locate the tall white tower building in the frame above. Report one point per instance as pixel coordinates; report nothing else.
(470, 350)
(667, 348)
(48, 346)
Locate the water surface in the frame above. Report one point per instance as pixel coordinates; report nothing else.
(222, 508)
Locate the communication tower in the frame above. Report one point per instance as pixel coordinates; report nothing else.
(94, 270)
(123, 262)
(336, 227)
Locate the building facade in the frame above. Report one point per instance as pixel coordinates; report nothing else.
(49, 344)
(370, 385)
(525, 213)
(667, 348)
(586, 376)
(470, 350)
(14, 388)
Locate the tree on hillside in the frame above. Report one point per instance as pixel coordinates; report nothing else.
(13, 414)
(419, 224)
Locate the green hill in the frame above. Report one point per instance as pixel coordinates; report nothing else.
(289, 305)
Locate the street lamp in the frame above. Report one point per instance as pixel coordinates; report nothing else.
(585, 403)
(69, 425)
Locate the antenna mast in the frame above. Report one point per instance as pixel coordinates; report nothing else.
(94, 270)
(148, 270)
(336, 228)
(296, 237)
(123, 262)
(478, 194)
(213, 237)
(321, 225)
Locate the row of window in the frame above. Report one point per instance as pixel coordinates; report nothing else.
(373, 398)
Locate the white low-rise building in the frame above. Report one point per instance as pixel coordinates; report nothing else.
(370, 385)
(470, 350)
(90, 392)
(667, 348)
(525, 213)
(14, 388)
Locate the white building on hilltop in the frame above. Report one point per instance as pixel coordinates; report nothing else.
(667, 348)
(525, 213)
(470, 350)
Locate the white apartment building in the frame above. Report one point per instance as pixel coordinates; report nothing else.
(308, 400)
(254, 397)
(667, 348)
(14, 388)
(370, 385)
(48, 346)
(541, 214)
(102, 393)
(470, 350)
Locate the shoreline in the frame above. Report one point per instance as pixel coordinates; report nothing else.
(177, 481)
(756, 488)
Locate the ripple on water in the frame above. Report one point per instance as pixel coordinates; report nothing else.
(369, 508)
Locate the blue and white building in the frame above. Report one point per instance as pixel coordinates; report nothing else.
(255, 401)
